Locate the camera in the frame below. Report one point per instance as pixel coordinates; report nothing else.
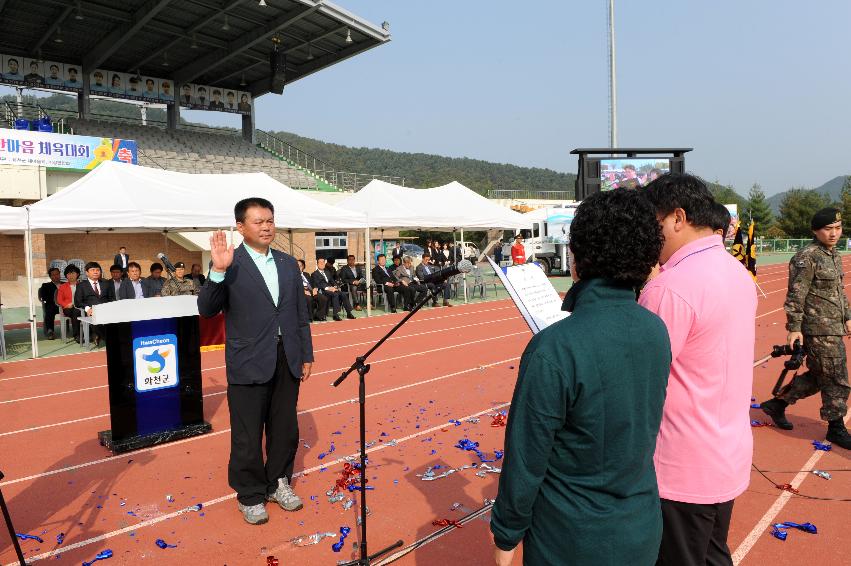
(796, 352)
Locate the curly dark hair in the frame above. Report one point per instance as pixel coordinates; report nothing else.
(681, 190)
(615, 235)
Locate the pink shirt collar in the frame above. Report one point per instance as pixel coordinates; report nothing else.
(697, 246)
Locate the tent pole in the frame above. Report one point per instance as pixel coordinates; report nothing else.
(382, 241)
(367, 252)
(291, 241)
(29, 267)
(464, 278)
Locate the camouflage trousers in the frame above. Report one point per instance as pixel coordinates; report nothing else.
(828, 374)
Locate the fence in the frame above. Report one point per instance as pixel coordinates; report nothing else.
(529, 194)
(764, 245)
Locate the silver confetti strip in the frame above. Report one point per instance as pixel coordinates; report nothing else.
(309, 540)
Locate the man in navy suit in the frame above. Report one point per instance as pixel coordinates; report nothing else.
(134, 287)
(93, 291)
(268, 353)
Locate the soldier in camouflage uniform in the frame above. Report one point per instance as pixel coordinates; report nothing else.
(817, 314)
(177, 285)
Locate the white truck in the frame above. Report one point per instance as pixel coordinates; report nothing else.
(546, 240)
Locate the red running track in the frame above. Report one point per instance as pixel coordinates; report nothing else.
(445, 364)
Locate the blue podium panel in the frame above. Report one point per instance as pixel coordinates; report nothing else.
(156, 377)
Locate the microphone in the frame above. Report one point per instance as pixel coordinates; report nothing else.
(441, 275)
(168, 265)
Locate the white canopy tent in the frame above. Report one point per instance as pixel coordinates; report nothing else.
(117, 197)
(13, 220)
(130, 198)
(449, 207)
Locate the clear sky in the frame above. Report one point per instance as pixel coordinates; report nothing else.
(759, 88)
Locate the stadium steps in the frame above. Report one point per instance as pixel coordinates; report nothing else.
(191, 151)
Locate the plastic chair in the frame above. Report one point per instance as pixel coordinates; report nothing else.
(59, 264)
(22, 124)
(2, 335)
(85, 327)
(79, 264)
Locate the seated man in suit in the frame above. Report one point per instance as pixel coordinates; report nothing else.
(353, 279)
(47, 295)
(134, 287)
(406, 276)
(329, 288)
(424, 269)
(317, 304)
(383, 276)
(93, 291)
(115, 275)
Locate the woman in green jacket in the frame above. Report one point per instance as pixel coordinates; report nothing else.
(578, 484)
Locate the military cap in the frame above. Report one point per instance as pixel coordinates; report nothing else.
(824, 217)
(179, 264)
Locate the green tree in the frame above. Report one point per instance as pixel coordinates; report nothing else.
(797, 210)
(757, 209)
(845, 199)
(726, 194)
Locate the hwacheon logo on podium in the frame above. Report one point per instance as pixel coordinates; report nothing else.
(155, 362)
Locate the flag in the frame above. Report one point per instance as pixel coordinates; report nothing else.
(750, 252)
(738, 249)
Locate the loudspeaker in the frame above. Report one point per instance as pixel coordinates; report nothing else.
(278, 68)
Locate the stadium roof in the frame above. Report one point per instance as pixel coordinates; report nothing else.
(214, 42)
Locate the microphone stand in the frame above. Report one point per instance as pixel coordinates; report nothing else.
(362, 368)
(11, 528)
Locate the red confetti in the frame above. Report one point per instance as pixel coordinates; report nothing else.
(347, 478)
(447, 523)
(786, 487)
(499, 420)
(271, 561)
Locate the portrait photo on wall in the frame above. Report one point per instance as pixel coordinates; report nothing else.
(166, 90)
(53, 73)
(187, 94)
(99, 82)
(10, 69)
(73, 78)
(35, 72)
(244, 105)
(150, 88)
(117, 84)
(202, 97)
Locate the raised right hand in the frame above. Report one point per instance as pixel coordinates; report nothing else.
(794, 336)
(220, 252)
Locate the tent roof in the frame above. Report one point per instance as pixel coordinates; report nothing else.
(13, 219)
(130, 198)
(448, 207)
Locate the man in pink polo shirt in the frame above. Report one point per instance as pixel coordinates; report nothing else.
(708, 303)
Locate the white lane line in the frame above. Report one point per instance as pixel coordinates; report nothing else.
(767, 519)
(34, 428)
(455, 313)
(317, 373)
(223, 431)
(465, 314)
(781, 308)
(216, 501)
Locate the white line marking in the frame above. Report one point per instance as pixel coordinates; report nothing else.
(52, 394)
(230, 496)
(767, 519)
(223, 431)
(31, 429)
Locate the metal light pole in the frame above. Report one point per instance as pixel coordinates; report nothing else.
(613, 96)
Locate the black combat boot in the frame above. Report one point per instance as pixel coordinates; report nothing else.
(838, 434)
(776, 409)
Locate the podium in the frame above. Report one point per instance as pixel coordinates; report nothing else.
(154, 367)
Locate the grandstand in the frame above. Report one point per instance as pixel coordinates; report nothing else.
(193, 151)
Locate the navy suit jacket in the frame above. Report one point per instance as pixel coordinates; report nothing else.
(127, 291)
(85, 295)
(252, 320)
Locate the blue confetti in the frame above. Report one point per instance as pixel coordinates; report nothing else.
(103, 555)
(60, 538)
(821, 446)
(23, 536)
(163, 544)
(338, 546)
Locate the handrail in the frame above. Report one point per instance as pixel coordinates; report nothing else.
(9, 115)
(530, 194)
(344, 180)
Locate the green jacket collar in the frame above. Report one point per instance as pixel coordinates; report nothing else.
(591, 291)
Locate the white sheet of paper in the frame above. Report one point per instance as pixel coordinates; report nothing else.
(535, 297)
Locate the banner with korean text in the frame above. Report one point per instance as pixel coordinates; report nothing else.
(62, 151)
